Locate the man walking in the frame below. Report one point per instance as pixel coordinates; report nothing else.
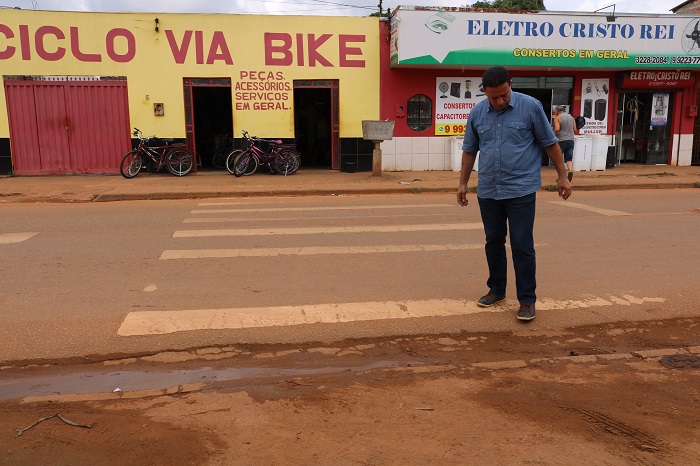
(509, 130)
(564, 127)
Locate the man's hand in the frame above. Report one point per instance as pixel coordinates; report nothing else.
(564, 187)
(462, 195)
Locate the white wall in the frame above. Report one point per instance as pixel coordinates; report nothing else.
(416, 154)
(682, 150)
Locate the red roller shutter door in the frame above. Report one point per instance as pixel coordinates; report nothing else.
(68, 127)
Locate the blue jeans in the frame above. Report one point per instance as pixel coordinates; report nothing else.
(567, 148)
(518, 215)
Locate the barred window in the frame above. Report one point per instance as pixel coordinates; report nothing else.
(420, 112)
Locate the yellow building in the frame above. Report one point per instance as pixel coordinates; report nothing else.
(75, 84)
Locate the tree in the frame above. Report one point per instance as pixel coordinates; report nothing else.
(511, 4)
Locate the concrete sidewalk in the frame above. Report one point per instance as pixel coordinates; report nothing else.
(213, 184)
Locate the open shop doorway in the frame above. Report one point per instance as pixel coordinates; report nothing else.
(545, 97)
(313, 126)
(209, 120)
(213, 124)
(644, 130)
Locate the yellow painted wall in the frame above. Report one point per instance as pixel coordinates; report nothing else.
(153, 71)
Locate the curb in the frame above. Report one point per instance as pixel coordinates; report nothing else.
(414, 189)
(340, 192)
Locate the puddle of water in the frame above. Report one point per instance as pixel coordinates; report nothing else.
(102, 382)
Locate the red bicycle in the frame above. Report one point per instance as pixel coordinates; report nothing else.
(280, 158)
(176, 157)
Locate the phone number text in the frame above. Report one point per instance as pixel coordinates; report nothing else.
(657, 60)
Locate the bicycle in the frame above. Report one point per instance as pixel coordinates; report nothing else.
(218, 160)
(280, 158)
(176, 157)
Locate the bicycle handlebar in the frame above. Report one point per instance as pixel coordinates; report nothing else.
(253, 138)
(137, 132)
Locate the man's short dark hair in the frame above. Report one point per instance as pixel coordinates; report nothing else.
(495, 76)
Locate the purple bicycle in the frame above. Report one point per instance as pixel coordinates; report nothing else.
(176, 157)
(280, 158)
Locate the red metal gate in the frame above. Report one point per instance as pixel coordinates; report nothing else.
(67, 125)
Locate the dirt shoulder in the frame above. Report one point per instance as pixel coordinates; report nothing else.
(604, 394)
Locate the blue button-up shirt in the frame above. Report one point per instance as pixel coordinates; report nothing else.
(510, 146)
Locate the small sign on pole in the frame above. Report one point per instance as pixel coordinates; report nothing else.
(377, 131)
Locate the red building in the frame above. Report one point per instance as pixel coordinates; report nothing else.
(632, 76)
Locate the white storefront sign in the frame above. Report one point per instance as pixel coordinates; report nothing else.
(544, 39)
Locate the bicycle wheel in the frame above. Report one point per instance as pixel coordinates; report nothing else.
(180, 162)
(245, 164)
(219, 158)
(231, 158)
(287, 162)
(131, 164)
(252, 166)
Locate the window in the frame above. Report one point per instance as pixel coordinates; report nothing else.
(420, 112)
(543, 82)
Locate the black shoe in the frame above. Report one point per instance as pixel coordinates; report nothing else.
(570, 176)
(526, 311)
(490, 299)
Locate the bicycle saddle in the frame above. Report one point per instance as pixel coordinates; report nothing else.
(277, 141)
(167, 140)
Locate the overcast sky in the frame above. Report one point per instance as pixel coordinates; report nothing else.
(315, 7)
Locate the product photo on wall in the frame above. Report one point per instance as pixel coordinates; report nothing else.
(454, 99)
(594, 105)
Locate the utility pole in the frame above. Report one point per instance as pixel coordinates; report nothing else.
(380, 8)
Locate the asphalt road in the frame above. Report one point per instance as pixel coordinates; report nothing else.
(130, 278)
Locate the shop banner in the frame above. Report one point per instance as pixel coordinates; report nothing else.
(656, 79)
(465, 37)
(594, 105)
(659, 115)
(454, 99)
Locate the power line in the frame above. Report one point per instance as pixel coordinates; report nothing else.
(325, 2)
(343, 4)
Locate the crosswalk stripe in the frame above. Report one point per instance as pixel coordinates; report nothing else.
(170, 254)
(317, 209)
(237, 202)
(607, 212)
(11, 238)
(166, 322)
(322, 230)
(422, 215)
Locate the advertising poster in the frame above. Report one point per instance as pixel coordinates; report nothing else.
(659, 114)
(594, 105)
(454, 99)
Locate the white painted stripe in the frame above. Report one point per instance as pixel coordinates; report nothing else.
(422, 215)
(317, 209)
(11, 238)
(322, 230)
(310, 251)
(236, 202)
(165, 322)
(607, 212)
